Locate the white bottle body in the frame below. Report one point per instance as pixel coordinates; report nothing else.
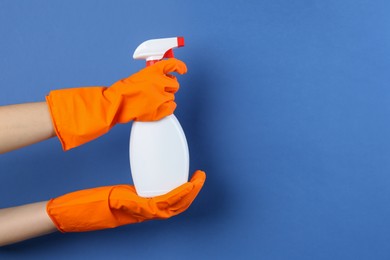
(159, 156)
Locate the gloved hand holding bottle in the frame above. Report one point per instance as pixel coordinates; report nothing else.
(83, 114)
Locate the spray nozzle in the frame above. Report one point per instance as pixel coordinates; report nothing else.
(157, 49)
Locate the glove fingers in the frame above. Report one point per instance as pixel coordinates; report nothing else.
(172, 84)
(165, 109)
(181, 201)
(167, 83)
(171, 65)
(197, 180)
(174, 196)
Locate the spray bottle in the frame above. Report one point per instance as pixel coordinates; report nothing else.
(159, 156)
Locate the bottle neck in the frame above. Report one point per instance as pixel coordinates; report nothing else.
(151, 62)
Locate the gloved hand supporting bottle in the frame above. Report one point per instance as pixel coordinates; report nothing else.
(113, 206)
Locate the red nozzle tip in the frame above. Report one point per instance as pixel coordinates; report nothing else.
(180, 41)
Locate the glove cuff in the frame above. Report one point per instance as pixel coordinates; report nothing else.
(84, 210)
(80, 115)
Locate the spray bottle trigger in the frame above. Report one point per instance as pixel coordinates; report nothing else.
(169, 54)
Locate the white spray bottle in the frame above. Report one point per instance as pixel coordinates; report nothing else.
(159, 156)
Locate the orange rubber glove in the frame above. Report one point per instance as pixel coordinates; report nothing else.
(113, 206)
(82, 114)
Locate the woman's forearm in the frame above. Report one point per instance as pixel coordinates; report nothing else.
(24, 124)
(24, 222)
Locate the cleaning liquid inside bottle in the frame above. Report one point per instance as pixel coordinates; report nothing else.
(159, 156)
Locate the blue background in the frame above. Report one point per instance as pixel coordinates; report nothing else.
(286, 106)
